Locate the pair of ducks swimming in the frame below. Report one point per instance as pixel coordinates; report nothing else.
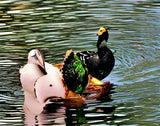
(80, 73)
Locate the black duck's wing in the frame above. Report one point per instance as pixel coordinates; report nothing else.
(88, 57)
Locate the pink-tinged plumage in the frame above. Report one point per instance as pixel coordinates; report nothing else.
(28, 76)
(49, 86)
(31, 72)
(45, 87)
(36, 57)
(40, 81)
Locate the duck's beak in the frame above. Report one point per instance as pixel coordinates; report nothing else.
(41, 62)
(39, 59)
(41, 65)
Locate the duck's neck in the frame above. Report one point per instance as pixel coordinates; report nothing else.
(102, 45)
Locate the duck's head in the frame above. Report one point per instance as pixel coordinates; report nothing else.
(49, 86)
(36, 57)
(102, 37)
(103, 33)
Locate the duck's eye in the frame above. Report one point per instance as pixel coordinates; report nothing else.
(50, 85)
(100, 30)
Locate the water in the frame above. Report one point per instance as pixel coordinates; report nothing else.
(56, 26)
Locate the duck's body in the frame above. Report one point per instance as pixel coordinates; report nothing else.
(50, 86)
(75, 74)
(46, 86)
(33, 70)
(99, 63)
(40, 81)
(99, 66)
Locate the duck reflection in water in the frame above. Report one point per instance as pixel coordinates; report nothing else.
(51, 114)
(57, 113)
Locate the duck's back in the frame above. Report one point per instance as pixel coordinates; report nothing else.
(99, 65)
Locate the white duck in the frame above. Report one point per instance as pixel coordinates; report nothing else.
(34, 69)
(46, 78)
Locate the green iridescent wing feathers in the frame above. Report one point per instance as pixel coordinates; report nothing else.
(75, 74)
